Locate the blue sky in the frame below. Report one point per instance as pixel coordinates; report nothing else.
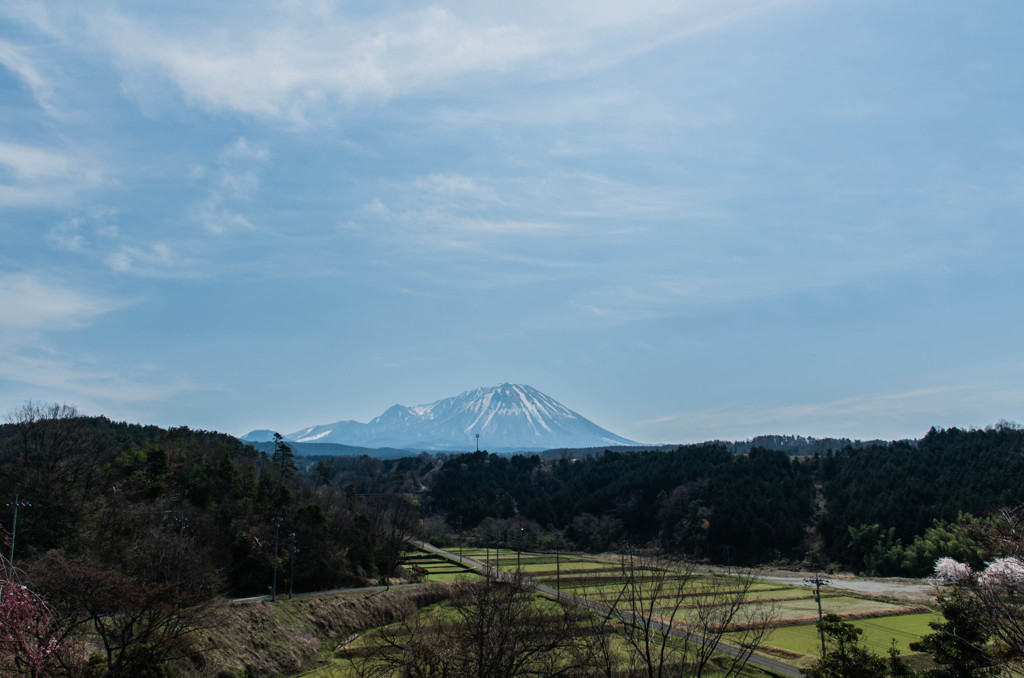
(685, 220)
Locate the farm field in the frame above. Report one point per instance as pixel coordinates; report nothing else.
(878, 634)
(795, 608)
(433, 568)
(794, 639)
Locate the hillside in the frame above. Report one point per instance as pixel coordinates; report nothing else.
(117, 495)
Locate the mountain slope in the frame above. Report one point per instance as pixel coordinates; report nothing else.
(507, 417)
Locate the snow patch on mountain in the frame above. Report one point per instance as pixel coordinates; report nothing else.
(507, 417)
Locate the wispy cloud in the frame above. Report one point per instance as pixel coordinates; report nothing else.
(457, 186)
(294, 65)
(158, 260)
(34, 310)
(36, 175)
(17, 60)
(232, 181)
(887, 415)
(74, 380)
(296, 61)
(29, 303)
(29, 162)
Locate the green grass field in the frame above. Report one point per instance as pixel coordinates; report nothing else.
(877, 636)
(603, 581)
(432, 568)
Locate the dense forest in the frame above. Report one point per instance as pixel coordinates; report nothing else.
(882, 508)
(197, 505)
(174, 502)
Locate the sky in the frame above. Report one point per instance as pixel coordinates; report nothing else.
(686, 220)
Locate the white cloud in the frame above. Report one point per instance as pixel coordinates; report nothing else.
(29, 303)
(456, 185)
(29, 162)
(218, 220)
(295, 62)
(233, 180)
(242, 148)
(68, 234)
(158, 260)
(42, 176)
(32, 308)
(291, 67)
(15, 59)
(63, 376)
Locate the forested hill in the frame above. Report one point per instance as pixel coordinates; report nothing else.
(887, 508)
(116, 495)
(157, 505)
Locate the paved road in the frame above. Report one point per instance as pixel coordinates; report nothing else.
(768, 664)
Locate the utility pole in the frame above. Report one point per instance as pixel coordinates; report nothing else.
(182, 526)
(477, 442)
(291, 577)
(558, 574)
(14, 527)
(519, 552)
(818, 583)
(277, 531)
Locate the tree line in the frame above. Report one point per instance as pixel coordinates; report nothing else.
(883, 508)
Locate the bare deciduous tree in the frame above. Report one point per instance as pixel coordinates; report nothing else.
(674, 622)
(495, 629)
(140, 625)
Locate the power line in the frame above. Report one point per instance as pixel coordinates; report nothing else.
(14, 527)
(818, 583)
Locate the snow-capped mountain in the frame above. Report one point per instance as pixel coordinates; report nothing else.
(508, 417)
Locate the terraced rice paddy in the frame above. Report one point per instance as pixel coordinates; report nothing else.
(793, 638)
(878, 634)
(795, 608)
(433, 568)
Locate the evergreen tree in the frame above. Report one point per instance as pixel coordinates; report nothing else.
(283, 458)
(845, 658)
(959, 644)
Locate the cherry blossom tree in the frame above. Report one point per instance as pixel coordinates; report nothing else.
(952, 571)
(28, 625)
(997, 592)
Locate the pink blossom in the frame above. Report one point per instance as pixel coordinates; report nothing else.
(27, 625)
(951, 570)
(1003, 573)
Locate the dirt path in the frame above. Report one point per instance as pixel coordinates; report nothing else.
(917, 590)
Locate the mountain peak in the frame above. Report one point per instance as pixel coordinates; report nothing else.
(507, 417)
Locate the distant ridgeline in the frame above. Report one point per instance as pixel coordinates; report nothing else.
(797, 446)
(337, 450)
